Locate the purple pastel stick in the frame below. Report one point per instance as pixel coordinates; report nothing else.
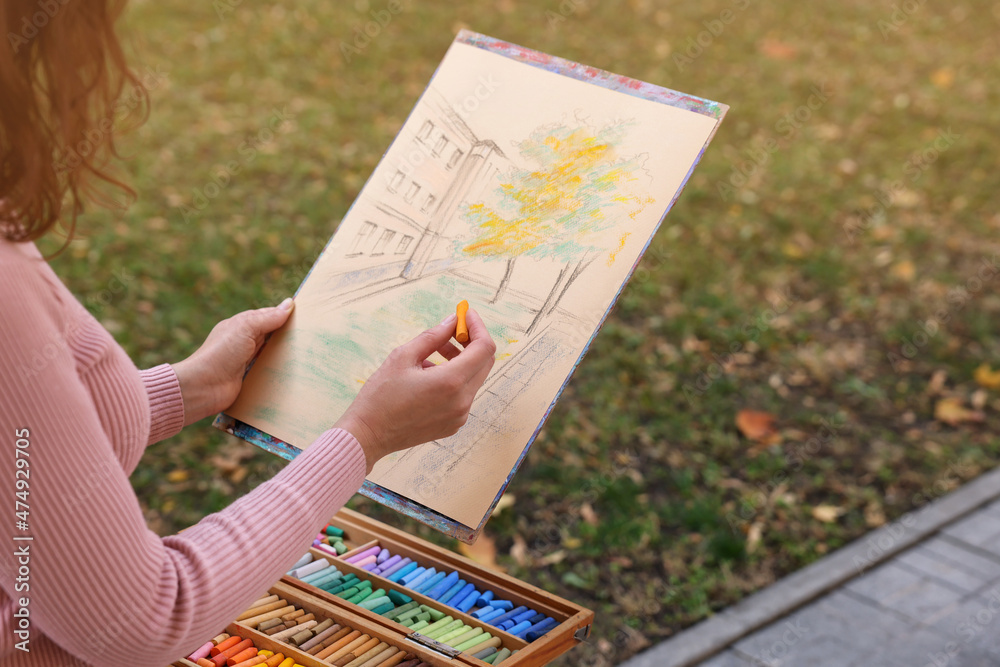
(369, 567)
(382, 556)
(391, 562)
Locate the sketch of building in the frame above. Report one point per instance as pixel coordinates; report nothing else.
(408, 215)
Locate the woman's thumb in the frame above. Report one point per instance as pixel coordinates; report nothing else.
(266, 320)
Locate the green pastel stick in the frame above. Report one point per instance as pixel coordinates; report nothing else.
(423, 616)
(333, 531)
(457, 623)
(340, 548)
(458, 632)
(349, 581)
(466, 636)
(399, 598)
(473, 642)
(435, 614)
(418, 626)
(383, 608)
(362, 595)
(440, 623)
(503, 654)
(402, 610)
(374, 600)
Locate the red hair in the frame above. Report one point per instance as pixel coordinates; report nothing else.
(62, 73)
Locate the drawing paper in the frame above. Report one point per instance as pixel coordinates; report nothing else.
(526, 184)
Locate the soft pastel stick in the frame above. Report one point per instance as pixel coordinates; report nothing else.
(399, 598)
(426, 586)
(418, 626)
(461, 595)
(507, 625)
(461, 327)
(466, 636)
(457, 632)
(502, 655)
(439, 624)
(502, 604)
(519, 628)
(403, 572)
(495, 613)
(327, 549)
(333, 531)
(389, 571)
(509, 615)
(383, 608)
(412, 576)
(437, 632)
(537, 618)
(373, 551)
(478, 643)
(368, 567)
(327, 574)
(452, 592)
(469, 601)
(485, 653)
(202, 652)
(306, 559)
(539, 629)
(520, 618)
(416, 582)
(442, 586)
(486, 597)
(385, 565)
(382, 556)
(367, 560)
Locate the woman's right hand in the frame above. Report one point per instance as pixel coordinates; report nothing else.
(409, 400)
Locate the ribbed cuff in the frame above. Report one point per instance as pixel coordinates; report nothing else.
(166, 405)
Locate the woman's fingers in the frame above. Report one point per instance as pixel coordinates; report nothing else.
(429, 341)
(477, 358)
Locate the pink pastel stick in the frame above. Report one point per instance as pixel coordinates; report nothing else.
(202, 652)
(364, 554)
(370, 560)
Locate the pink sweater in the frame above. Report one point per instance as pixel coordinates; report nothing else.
(100, 586)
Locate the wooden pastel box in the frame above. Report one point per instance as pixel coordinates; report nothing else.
(381, 613)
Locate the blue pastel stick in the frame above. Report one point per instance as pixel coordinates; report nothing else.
(539, 629)
(469, 601)
(521, 618)
(519, 628)
(491, 615)
(452, 592)
(486, 597)
(402, 572)
(430, 583)
(412, 575)
(507, 625)
(415, 582)
(537, 618)
(442, 586)
(484, 611)
(502, 604)
(389, 571)
(509, 615)
(462, 594)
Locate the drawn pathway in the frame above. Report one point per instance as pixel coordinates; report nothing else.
(934, 602)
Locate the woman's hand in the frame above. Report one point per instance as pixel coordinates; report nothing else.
(409, 401)
(211, 378)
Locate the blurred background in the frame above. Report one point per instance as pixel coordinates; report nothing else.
(807, 351)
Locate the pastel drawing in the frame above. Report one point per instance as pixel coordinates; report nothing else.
(535, 204)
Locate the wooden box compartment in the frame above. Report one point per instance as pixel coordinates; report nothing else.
(362, 533)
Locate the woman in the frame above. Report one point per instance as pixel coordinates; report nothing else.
(82, 578)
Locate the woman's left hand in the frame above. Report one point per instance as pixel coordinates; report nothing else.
(211, 378)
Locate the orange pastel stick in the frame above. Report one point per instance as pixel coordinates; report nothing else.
(252, 662)
(461, 328)
(222, 646)
(204, 662)
(242, 656)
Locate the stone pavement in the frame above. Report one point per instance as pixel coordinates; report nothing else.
(935, 602)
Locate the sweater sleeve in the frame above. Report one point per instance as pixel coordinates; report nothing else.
(166, 405)
(99, 577)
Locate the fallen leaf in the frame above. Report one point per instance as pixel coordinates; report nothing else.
(952, 412)
(506, 500)
(987, 377)
(519, 551)
(943, 77)
(177, 476)
(936, 385)
(904, 270)
(589, 515)
(776, 50)
(827, 513)
(483, 551)
(874, 515)
(757, 426)
(754, 536)
(554, 558)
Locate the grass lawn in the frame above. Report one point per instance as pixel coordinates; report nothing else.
(825, 265)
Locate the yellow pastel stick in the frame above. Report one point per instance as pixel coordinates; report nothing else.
(462, 329)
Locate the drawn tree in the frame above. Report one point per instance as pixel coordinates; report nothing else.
(577, 187)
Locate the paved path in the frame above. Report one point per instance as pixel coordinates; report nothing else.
(925, 594)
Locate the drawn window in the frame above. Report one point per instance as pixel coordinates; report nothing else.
(455, 157)
(429, 203)
(396, 181)
(404, 243)
(412, 192)
(441, 144)
(383, 241)
(365, 233)
(425, 131)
